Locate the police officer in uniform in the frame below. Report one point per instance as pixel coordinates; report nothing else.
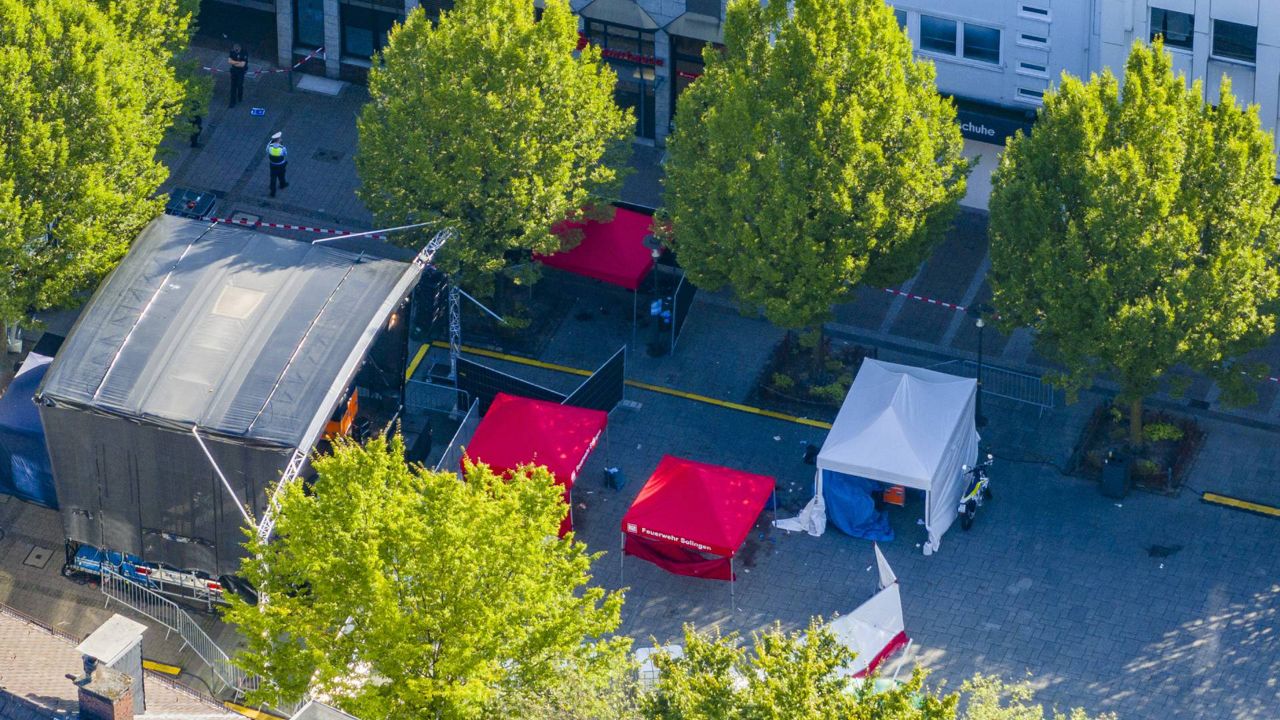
(278, 158)
(239, 62)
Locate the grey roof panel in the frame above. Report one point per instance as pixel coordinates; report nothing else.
(241, 333)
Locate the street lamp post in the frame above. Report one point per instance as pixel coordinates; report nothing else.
(977, 312)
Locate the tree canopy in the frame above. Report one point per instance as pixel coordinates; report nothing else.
(87, 93)
(813, 154)
(797, 676)
(1135, 229)
(493, 124)
(405, 593)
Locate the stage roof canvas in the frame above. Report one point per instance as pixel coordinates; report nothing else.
(241, 333)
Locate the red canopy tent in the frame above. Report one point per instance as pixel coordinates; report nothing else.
(518, 431)
(691, 518)
(612, 252)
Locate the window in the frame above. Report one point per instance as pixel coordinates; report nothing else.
(686, 64)
(1234, 41)
(937, 35)
(1029, 94)
(1034, 39)
(630, 52)
(433, 8)
(1035, 11)
(982, 44)
(364, 30)
(1177, 28)
(1033, 68)
(901, 17)
(308, 23)
(710, 8)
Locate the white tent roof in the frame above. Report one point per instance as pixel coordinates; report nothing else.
(897, 423)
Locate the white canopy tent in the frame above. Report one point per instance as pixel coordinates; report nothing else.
(900, 425)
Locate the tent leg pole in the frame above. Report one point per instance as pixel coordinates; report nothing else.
(622, 556)
(732, 581)
(635, 307)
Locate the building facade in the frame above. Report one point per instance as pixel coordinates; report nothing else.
(655, 46)
(996, 57)
(1007, 53)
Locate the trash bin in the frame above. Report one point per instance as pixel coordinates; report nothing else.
(1115, 477)
(614, 478)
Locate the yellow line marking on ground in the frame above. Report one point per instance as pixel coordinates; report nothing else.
(1239, 504)
(646, 386)
(249, 712)
(161, 667)
(417, 360)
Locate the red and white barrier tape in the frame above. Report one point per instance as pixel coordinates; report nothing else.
(921, 298)
(272, 71)
(285, 226)
(961, 308)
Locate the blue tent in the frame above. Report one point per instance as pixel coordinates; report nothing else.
(25, 471)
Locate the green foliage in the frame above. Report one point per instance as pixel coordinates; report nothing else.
(87, 91)
(1156, 432)
(989, 698)
(784, 676)
(391, 575)
(813, 154)
(782, 382)
(833, 392)
(490, 123)
(1136, 230)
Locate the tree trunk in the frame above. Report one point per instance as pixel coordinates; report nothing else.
(819, 352)
(1135, 424)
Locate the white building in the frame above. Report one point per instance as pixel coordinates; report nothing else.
(997, 57)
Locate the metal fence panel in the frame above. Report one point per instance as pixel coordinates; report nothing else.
(1001, 382)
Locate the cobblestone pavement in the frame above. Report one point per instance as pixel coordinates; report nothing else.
(1054, 580)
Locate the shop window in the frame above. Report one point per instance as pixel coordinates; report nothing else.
(364, 29)
(686, 65)
(982, 44)
(308, 23)
(937, 35)
(1234, 41)
(629, 51)
(1177, 28)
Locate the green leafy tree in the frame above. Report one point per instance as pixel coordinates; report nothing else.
(404, 593)
(786, 676)
(1135, 230)
(491, 123)
(814, 153)
(986, 697)
(87, 92)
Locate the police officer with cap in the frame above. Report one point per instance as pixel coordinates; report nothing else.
(278, 157)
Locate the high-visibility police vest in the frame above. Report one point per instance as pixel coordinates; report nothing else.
(277, 153)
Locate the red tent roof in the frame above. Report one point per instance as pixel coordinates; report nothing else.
(698, 506)
(612, 251)
(519, 431)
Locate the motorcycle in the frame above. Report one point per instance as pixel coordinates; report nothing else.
(976, 493)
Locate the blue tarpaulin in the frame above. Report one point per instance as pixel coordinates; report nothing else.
(851, 508)
(25, 471)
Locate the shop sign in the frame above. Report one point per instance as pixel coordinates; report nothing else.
(989, 128)
(622, 55)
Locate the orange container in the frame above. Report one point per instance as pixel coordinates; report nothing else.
(895, 495)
